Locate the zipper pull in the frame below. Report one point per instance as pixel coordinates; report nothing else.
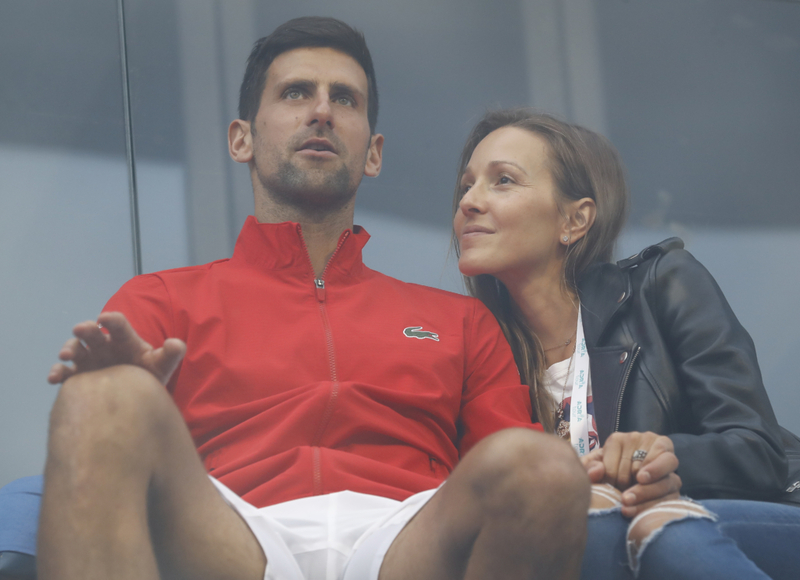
(319, 286)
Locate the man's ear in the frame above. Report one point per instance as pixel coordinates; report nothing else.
(580, 218)
(240, 141)
(374, 156)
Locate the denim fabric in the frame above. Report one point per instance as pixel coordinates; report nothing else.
(19, 515)
(750, 540)
(769, 533)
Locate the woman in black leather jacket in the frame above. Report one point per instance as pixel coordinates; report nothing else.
(539, 205)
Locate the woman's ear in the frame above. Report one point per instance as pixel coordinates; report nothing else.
(580, 218)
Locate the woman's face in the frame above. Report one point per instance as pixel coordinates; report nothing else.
(508, 223)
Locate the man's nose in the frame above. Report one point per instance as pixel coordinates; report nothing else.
(321, 112)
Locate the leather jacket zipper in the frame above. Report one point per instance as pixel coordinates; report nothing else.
(625, 384)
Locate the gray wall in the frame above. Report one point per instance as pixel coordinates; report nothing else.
(700, 98)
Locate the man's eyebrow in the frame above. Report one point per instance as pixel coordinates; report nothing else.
(348, 89)
(302, 84)
(310, 85)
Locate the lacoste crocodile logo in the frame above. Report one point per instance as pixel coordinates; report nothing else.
(417, 332)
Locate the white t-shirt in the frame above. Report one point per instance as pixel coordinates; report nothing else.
(558, 380)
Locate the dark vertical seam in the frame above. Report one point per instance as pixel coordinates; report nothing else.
(129, 151)
(230, 205)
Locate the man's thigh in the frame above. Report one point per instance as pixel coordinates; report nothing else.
(516, 503)
(196, 533)
(124, 478)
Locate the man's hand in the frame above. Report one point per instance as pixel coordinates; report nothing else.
(92, 349)
(643, 483)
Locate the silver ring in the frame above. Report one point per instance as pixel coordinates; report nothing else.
(639, 455)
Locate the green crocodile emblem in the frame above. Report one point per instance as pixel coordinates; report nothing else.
(417, 332)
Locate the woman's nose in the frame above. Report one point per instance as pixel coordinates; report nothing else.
(472, 201)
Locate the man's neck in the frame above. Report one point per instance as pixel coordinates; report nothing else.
(320, 232)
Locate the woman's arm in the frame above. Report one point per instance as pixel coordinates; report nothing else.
(733, 447)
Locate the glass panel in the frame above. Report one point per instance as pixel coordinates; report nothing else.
(700, 98)
(702, 104)
(65, 240)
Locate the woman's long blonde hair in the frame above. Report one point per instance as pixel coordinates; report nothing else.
(583, 164)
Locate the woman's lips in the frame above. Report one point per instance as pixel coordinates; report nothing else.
(473, 231)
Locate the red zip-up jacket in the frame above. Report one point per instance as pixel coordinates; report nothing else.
(294, 387)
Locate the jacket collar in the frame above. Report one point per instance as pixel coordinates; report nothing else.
(603, 289)
(281, 246)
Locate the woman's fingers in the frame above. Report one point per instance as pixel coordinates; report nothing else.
(640, 497)
(618, 458)
(660, 461)
(626, 454)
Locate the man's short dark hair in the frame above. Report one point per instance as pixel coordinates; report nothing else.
(307, 31)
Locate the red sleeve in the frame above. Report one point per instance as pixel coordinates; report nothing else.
(494, 397)
(145, 302)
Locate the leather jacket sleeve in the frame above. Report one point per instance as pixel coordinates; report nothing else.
(731, 446)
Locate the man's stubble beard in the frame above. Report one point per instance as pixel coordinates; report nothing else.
(314, 192)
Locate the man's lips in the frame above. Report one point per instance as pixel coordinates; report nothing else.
(318, 145)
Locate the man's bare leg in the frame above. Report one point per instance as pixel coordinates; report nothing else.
(514, 508)
(126, 495)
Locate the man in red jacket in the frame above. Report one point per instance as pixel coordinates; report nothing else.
(328, 402)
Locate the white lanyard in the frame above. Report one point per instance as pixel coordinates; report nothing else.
(578, 412)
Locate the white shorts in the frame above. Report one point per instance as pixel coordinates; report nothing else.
(339, 536)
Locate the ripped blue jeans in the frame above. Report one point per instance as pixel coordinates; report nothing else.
(749, 539)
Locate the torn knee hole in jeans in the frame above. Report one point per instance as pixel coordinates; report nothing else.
(647, 526)
(605, 498)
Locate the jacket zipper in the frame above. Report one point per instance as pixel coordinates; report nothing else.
(319, 292)
(624, 385)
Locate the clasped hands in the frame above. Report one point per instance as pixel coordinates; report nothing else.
(643, 483)
(111, 341)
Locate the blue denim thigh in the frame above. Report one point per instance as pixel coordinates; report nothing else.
(768, 533)
(694, 548)
(685, 549)
(605, 557)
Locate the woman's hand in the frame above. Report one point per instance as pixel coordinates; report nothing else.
(643, 482)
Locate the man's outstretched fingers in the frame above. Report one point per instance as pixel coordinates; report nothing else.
(73, 350)
(59, 373)
(90, 334)
(118, 327)
(167, 358)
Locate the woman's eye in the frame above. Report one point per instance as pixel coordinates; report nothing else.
(465, 189)
(504, 180)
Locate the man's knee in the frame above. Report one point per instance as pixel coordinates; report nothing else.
(516, 467)
(112, 405)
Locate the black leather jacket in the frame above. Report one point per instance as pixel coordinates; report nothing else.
(668, 355)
